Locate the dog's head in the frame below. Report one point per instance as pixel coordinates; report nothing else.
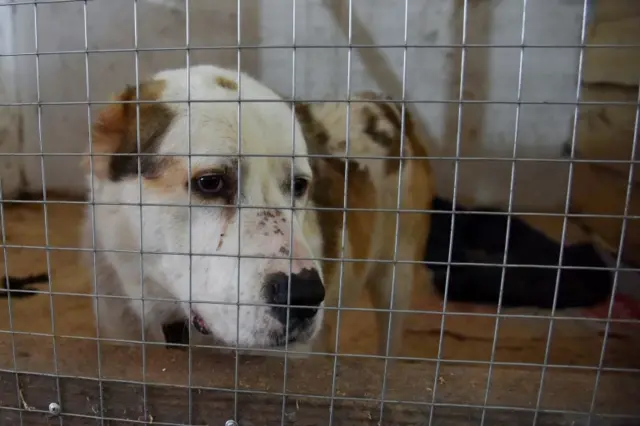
(233, 213)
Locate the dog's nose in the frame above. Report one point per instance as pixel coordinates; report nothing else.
(307, 293)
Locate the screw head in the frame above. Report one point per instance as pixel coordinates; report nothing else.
(54, 408)
(230, 423)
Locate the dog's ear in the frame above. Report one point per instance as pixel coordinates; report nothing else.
(115, 130)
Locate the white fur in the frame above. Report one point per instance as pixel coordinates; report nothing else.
(266, 128)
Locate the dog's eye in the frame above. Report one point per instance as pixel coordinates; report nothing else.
(300, 186)
(211, 184)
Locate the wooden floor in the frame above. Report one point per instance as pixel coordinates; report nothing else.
(466, 338)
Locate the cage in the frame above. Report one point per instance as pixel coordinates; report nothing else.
(526, 303)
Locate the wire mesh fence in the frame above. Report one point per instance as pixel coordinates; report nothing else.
(226, 220)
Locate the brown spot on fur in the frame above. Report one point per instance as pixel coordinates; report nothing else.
(165, 174)
(225, 226)
(390, 142)
(226, 83)
(392, 112)
(116, 132)
(228, 213)
(328, 192)
(394, 144)
(284, 251)
(314, 132)
(371, 129)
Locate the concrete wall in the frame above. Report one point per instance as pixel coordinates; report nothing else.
(432, 75)
(549, 75)
(65, 77)
(9, 121)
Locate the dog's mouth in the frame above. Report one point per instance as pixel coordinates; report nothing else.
(281, 340)
(299, 333)
(199, 324)
(278, 340)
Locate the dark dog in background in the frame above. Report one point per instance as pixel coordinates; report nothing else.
(479, 238)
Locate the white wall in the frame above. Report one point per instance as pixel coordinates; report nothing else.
(549, 75)
(9, 123)
(63, 77)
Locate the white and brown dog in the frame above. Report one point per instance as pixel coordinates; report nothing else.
(219, 229)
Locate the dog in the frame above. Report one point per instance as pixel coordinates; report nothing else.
(177, 215)
(378, 162)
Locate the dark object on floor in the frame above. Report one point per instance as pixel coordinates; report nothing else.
(480, 238)
(17, 286)
(176, 334)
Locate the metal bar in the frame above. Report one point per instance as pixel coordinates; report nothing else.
(143, 322)
(94, 241)
(343, 239)
(407, 101)
(44, 197)
(567, 207)
(516, 131)
(616, 273)
(292, 202)
(325, 46)
(14, 358)
(398, 206)
(463, 59)
(239, 207)
(187, 36)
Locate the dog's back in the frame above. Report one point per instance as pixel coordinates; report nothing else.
(369, 162)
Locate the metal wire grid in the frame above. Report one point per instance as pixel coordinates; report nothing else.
(464, 46)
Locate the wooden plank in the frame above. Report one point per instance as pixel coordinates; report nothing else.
(613, 23)
(460, 389)
(169, 405)
(606, 131)
(600, 191)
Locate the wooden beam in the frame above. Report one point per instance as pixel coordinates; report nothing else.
(170, 405)
(613, 23)
(119, 392)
